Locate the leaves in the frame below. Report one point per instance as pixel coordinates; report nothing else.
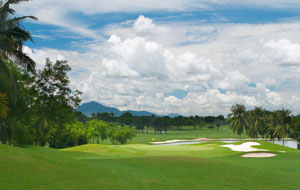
(238, 121)
(3, 106)
(13, 35)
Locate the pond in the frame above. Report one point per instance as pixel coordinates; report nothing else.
(287, 143)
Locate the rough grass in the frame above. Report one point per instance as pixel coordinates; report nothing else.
(141, 166)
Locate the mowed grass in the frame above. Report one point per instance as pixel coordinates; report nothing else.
(141, 166)
(187, 133)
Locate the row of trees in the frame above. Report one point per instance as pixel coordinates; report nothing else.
(97, 129)
(41, 111)
(38, 107)
(260, 123)
(161, 124)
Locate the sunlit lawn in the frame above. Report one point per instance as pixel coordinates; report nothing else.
(142, 166)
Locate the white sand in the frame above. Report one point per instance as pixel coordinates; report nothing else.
(258, 155)
(245, 147)
(169, 141)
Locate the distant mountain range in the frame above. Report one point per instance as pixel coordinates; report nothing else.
(95, 107)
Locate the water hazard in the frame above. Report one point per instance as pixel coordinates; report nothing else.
(287, 143)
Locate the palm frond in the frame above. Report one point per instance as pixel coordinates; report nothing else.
(24, 60)
(13, 35)
(12, 90)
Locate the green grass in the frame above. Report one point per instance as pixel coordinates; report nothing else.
(141, 166)
(186, 133)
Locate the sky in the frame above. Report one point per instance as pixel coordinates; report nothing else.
(191, 57)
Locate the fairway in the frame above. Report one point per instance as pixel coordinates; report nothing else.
(187, 133)
(141, 166)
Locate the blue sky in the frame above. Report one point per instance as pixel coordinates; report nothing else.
(58, 37)
(174, 56)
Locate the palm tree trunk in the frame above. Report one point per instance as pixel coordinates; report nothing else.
(3, 133)
(283, 141)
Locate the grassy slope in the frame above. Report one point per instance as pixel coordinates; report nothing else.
(140, 166)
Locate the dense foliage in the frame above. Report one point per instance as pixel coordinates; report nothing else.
(161, 124)
(44, 111)
(260, 123)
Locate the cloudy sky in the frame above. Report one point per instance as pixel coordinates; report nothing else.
(173, 56)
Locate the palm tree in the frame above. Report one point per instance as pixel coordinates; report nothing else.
(13, 35)
(272, 125)
(256, 122)
(295, 131)
(237, 119)
(283, 127)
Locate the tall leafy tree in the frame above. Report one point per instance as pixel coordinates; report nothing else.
(13, 35)
(237, 119)
(256, 122)
(284, 125)
(272, 123)
(41, 131)
(54, 98)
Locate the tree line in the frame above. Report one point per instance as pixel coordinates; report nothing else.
(261, 123)
(41, 110)
(37, 106)
(160, 124)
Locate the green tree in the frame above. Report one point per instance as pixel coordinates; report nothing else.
(3, 106)
(272, 123)
(218, 123)
(126, 118)
(284, 123)
(122, 135)
(139, 123)
(295, 130)
(54, 98)
(237, 119)
(13, 35)
(19, 99)
(256, 122)
(41, 127)
(98, 129)
(92, 133)
(78, 132)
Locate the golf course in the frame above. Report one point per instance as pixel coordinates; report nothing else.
(149, 95)
(141, 165)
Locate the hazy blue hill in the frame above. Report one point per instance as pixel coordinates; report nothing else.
(140, 113)
(95, 107)
(174, 115)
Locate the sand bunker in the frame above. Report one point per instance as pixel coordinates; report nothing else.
(169, 141)
(245, 147)
(258, 155)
